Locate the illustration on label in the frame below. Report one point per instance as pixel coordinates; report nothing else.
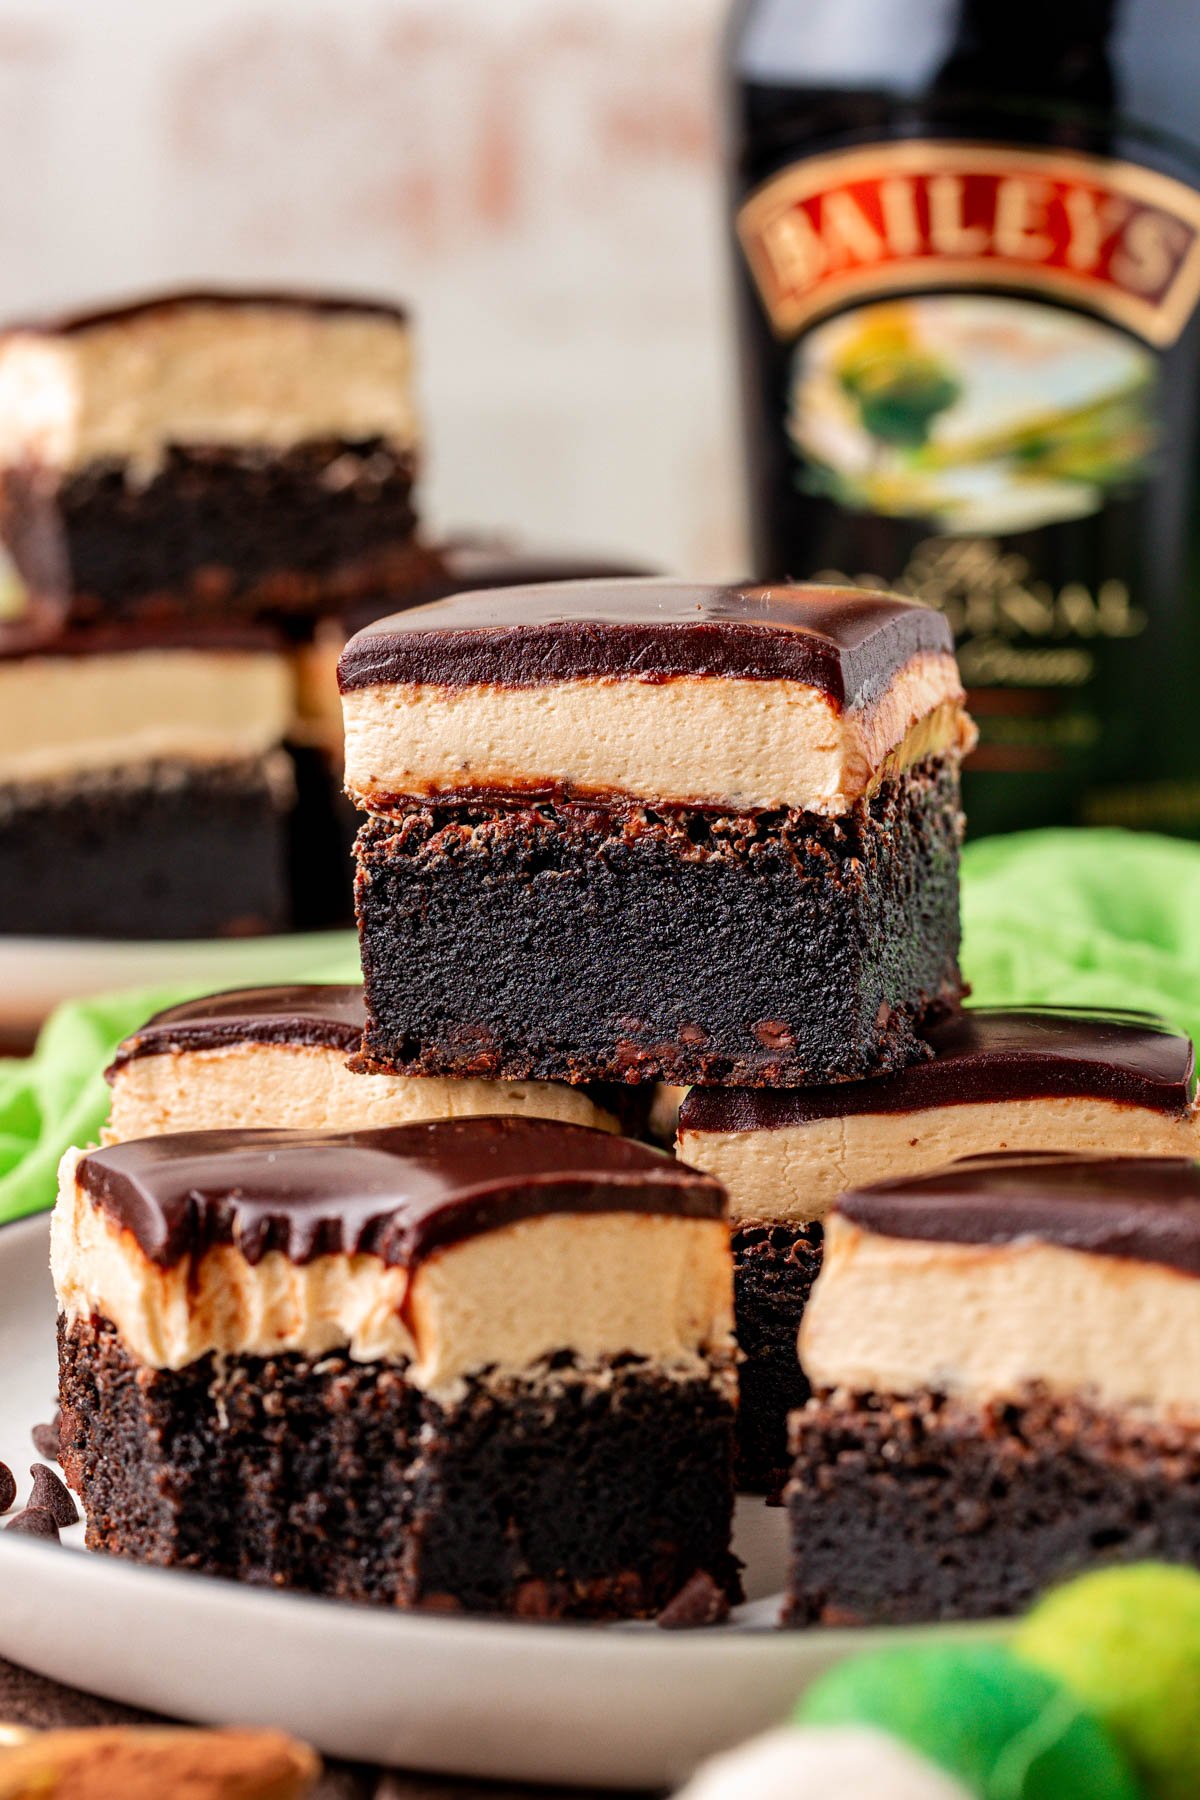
(973, 413)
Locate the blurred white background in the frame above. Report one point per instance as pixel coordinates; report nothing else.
(538, 177)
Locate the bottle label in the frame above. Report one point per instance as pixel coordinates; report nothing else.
(970, 365)
(1119, 240)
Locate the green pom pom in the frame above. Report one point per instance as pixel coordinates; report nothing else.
(1127, 1641)
(1008, 1731)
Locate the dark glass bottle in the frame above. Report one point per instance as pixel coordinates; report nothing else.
(968, 255)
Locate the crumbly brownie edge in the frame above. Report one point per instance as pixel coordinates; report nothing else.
(904, 1511)
(218, 528)
(774, 1267)
(773, 949)
(154, 850)
(561, 1498)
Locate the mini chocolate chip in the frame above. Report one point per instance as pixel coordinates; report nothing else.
(52, 1496)
(699, 1602)
(36, 1521)
(8, 1487)
(46, 1438)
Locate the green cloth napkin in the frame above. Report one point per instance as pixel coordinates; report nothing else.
(1084, 918)
(1088, 918)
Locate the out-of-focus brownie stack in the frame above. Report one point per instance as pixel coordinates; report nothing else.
(186, 485)
(144, 784)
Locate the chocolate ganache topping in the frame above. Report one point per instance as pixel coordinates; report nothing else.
(132, 637)
(398, 1193)
(1145, 1209)
(327, 1017)
(980, 1056)
(847, 642)
(184, 299)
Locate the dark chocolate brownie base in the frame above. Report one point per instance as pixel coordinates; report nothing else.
(774, 1267)
(564, 1498)
(903, 1511)
(167, 850)
(582, 943)
(217, 529)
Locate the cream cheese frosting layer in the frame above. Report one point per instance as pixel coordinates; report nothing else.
(794, 1173)
(203, 372)
(683, 740)
(66, 715)
(903, 1316)
(600, 1285)
(308, 1087)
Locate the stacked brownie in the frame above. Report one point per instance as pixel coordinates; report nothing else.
(366, 1293)
(1006, 1363)
(187, 484)
(144, 784)
(648, 831)
(1040, 1078)
(480, 1364)
(229, 454)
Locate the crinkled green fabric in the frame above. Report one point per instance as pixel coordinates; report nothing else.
(1085, 918)
(1088, 918)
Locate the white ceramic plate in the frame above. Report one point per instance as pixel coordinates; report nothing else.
(623, 1706)
(37, 974)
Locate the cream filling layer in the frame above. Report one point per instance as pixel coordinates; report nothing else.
(897, 1316)
(686, 740)
(236, 375)
(68, 715)
(306, 1087)
(600, 1285)
(794, 1173)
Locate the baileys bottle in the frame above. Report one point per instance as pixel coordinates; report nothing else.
(967, 237)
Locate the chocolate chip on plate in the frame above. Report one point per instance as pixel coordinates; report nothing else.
(46, 1438)
(36, 1521)
(8, 1487)
(52, 1496)
(699, 1602)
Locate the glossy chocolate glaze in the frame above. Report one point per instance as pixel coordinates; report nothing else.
(1146, 1209)
(398, 1194)
(985, 1055)
(297, 299)
(131, 637)
(326, 1016)
(846, 642)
